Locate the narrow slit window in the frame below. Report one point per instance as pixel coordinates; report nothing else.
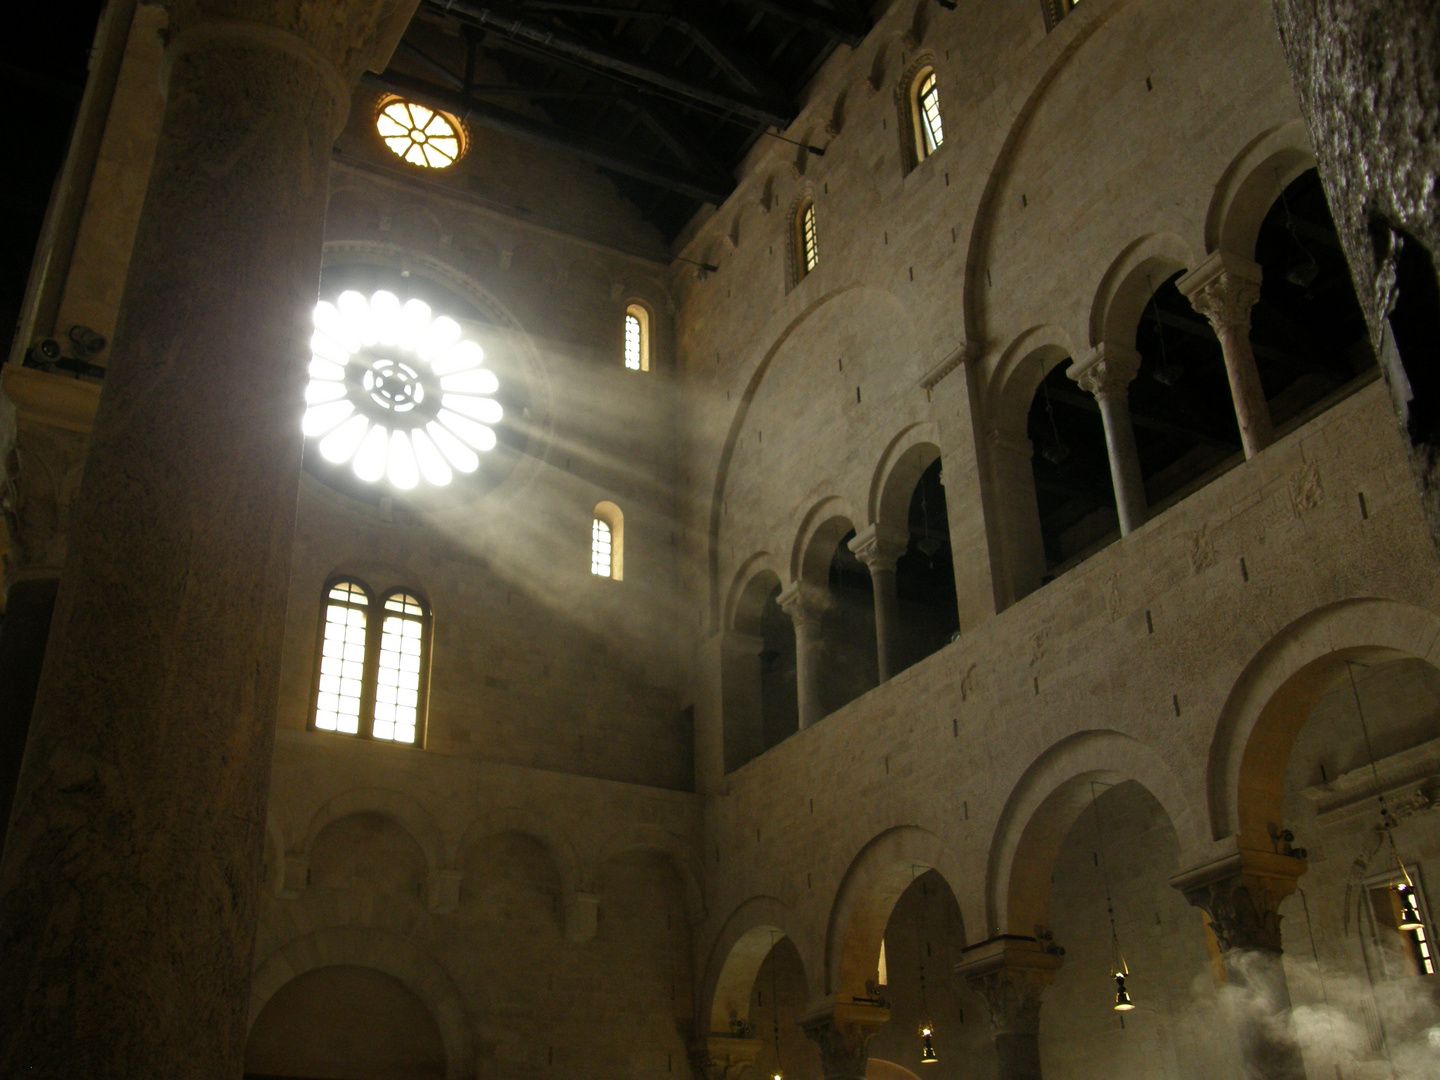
(607, 541)
(342, 659)
(809, 244)
(637, 338)
(602, 548)
(398, 671)
(927, 109)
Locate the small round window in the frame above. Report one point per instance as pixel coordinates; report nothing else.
(422, 136)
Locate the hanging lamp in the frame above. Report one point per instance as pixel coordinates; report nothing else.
(1118, 968)
(922, 924)
(779, 1073)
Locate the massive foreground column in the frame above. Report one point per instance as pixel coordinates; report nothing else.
(1107, 373)
(1224, 288)
(1241, 894)
(806, 605)
(131, 867)
(880, 549)
(1011, 973)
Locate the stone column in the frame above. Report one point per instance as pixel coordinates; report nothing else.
(806, 605)
(129, 887)
(1241, 894)
(1011, 973)
(842, 1031)
(879, 549)
(1224, 288)
(1107, 373)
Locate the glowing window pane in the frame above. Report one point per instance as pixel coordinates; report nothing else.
(810, 248)
(419, 135)
(932, 133)
(337, 699)
(600, 549)
(632, 342)
(397, 680)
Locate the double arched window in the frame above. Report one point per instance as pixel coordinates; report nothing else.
(374, 664)
(637, 338)
(607, 542)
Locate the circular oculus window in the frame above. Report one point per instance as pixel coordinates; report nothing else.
(397, 393)
(422, 136)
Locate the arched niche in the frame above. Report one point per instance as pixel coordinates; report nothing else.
(758, 672)
(347, 1022)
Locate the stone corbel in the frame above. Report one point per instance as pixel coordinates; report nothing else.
(292, 876)
(1011, 973)
(444, 891)
(1241, 892)
(966, 352)
(582, 916)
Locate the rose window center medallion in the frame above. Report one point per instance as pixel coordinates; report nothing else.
(397, 393)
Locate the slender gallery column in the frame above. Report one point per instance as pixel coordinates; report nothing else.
(1224, 288)
(1011, 973)
(843, 1032)
(1241, 894)
(1107, 373)
(128, 890)
(806, 605)
(879, 549)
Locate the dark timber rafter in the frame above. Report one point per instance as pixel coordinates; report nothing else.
(508, 20)
(485, 114)
(848, 28)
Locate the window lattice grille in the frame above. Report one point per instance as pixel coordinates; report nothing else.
(397, 680)
(634, 343)
(601, 549)
(932, 131)
(342, 660)
(810, 248)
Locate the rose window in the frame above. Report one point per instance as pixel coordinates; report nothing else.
(397, 393)
(421, 136)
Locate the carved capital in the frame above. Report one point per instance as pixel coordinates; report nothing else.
(724, 1057)
(1011, 973)
(1108, 369)
(805, 603)
(1241, 893)
(879, 547)
(843, 1033)
(1223, 288)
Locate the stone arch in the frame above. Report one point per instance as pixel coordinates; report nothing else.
(526, 823)
(654, 839)
(821, 529)
(1049, 796)
(1278, 690)
(759, 565)
(1018, 373)
(874, 881)
(1254, 180)
(742, 945)
(404, 810)
(902, 464)
(1126, 288)
(365, 947)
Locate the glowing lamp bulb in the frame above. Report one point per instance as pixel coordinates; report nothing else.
(1122, 997)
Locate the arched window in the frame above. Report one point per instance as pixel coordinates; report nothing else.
(637, 338)
(607, 542)
(925, 114)
(372, 674)
(807, 249)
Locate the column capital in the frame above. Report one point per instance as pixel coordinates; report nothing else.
(842, 1031)
(805, 603)
(1107, 369)
(1241, 892)
(879, 546)
(1223, 288)
(723, 1057)
(1011, 973)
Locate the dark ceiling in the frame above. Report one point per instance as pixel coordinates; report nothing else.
(666, 96)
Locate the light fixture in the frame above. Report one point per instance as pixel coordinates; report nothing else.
(1409, 918)
(398, 394)
(1122, 996)
(1056, 452)
(927, 1050)
(779, 1073)
(1118, 967)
